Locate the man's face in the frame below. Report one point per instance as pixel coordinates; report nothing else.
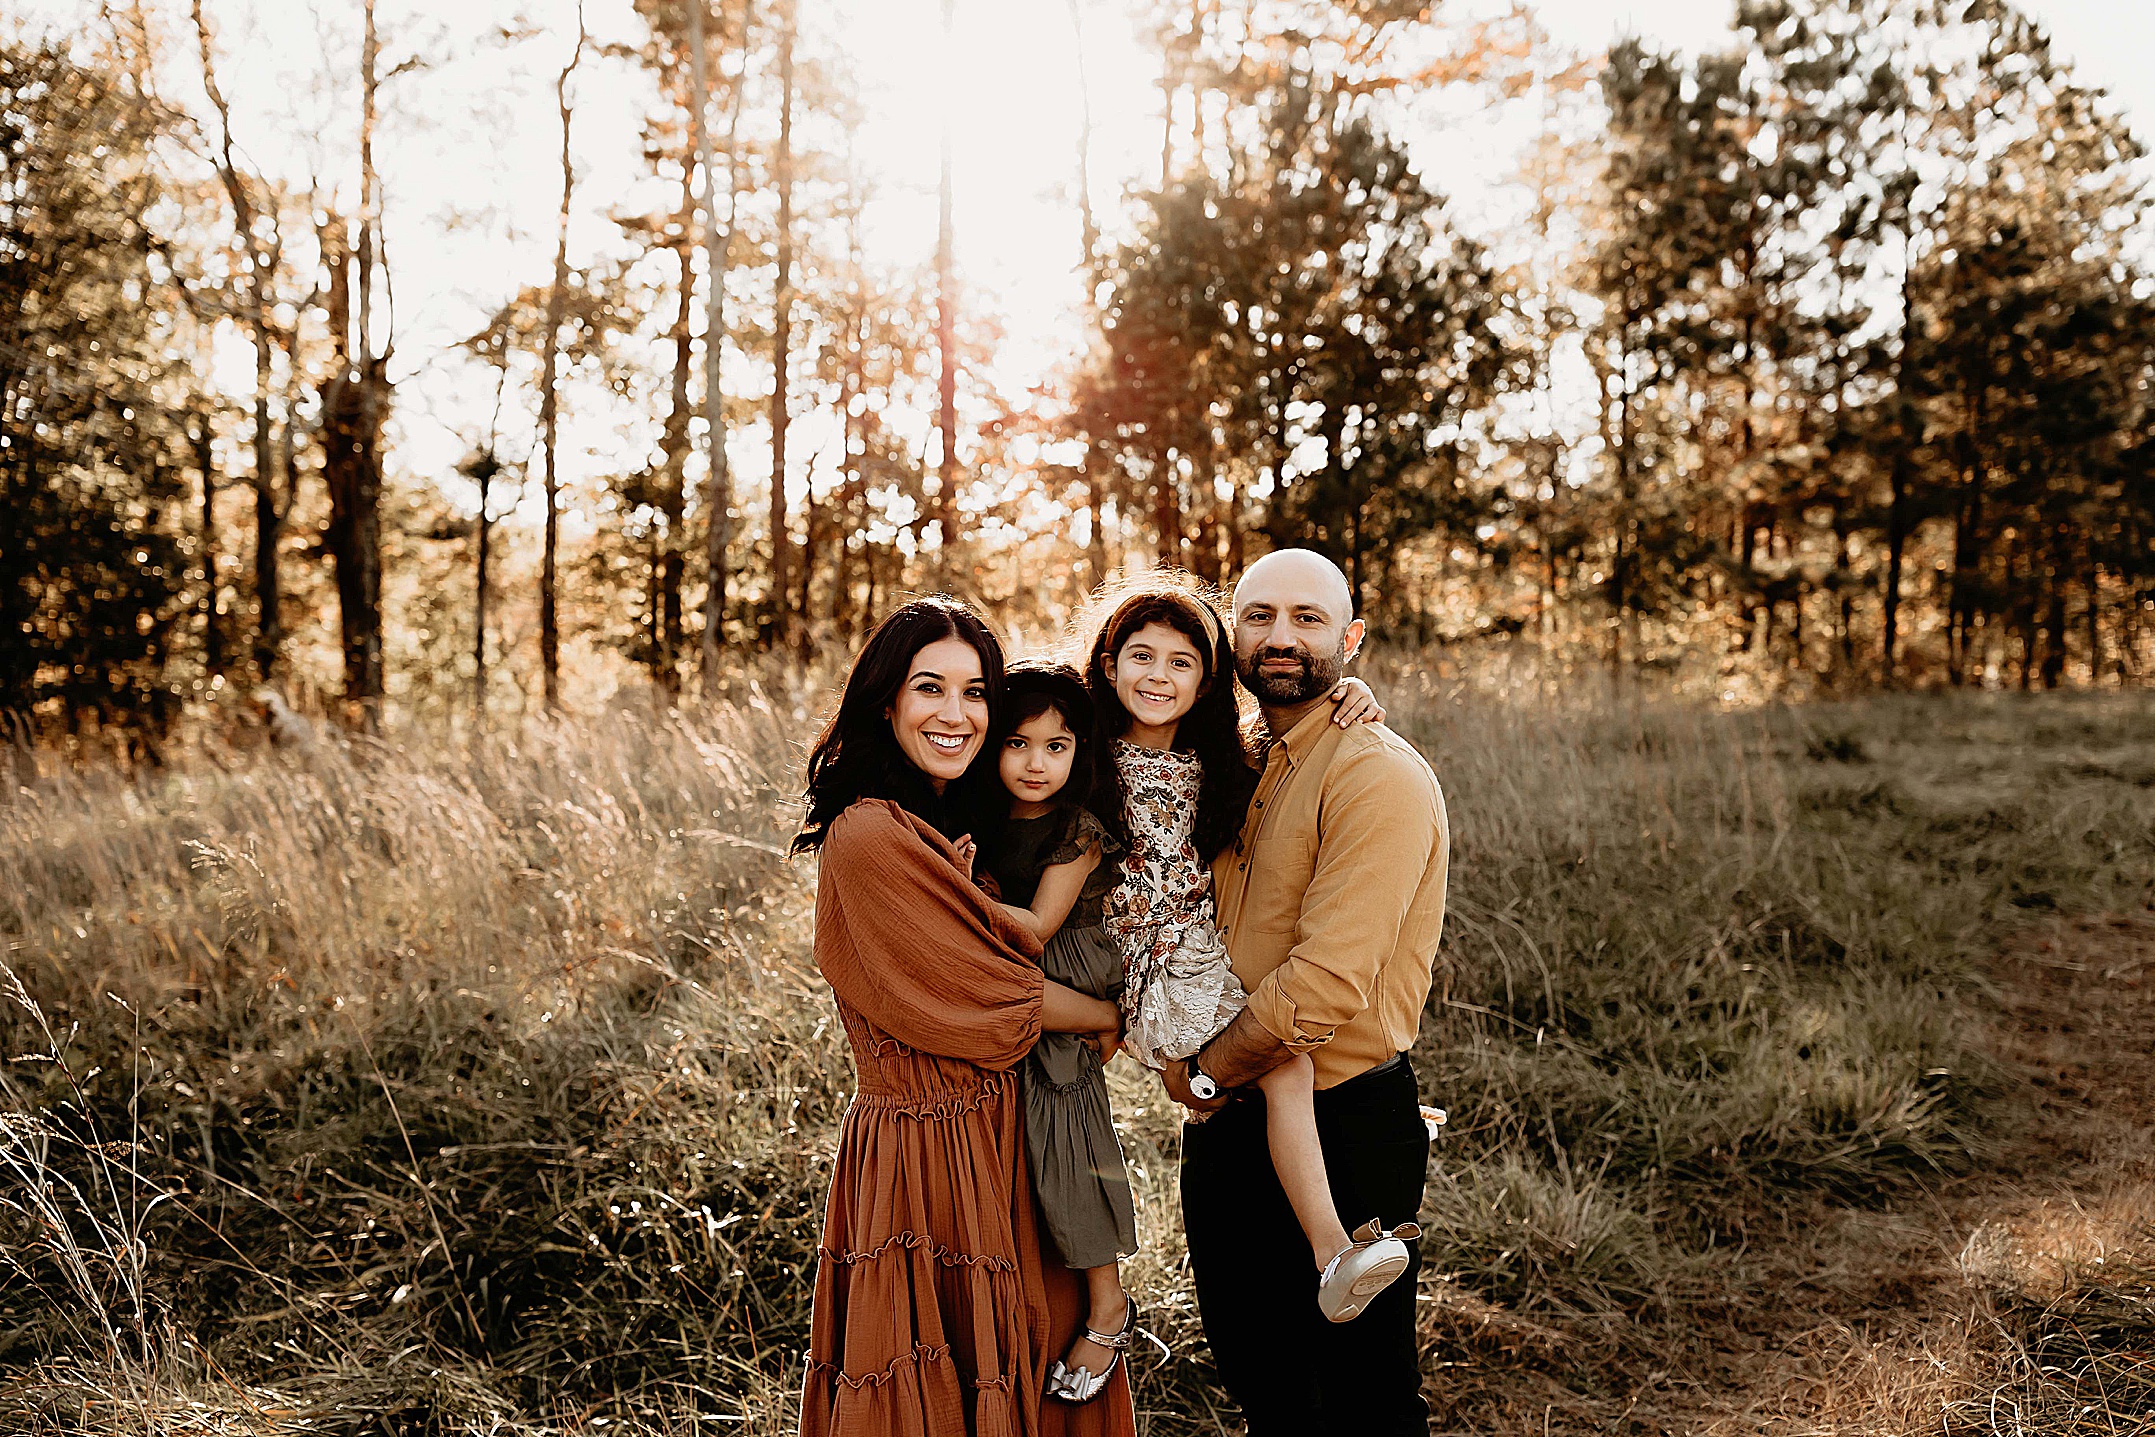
(1292, 640)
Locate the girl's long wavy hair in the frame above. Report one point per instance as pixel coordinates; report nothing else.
(1212, 729)
(857, 755)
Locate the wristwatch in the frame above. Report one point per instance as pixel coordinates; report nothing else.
(1202, 1088)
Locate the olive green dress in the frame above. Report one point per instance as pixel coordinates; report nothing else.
(1069, 1131)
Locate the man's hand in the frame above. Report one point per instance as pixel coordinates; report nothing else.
(1242, 1053)
(1177, 1077)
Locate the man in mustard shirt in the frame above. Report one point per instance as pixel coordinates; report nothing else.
(1331, 903)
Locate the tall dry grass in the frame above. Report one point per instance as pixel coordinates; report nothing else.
(488, 1086)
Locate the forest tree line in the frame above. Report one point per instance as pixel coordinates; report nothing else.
(1826, 357)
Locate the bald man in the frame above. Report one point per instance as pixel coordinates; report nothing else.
(1331, 902)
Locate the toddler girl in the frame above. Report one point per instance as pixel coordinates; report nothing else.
(1054, 864)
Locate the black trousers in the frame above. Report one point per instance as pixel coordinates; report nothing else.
(1290, 1369)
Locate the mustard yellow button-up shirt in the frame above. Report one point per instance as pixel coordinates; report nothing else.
(1333, 899)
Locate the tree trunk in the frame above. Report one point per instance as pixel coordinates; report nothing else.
(670, 562)
(1237, 521)
(1205, 550)
(1167, 510)
(804, 637)
(852, 523)
(1168, 86)
(212, 626)
(354, 406)
(783, 620)
(264, 253)
(268, 533)
(1357, 551)
(1896, 552)
(483, 472)
(946, 313)
(2095, 625)
(1620, 599)
(1089, 235)
(867, 614)
(2054, 654)
(1908, 433)
(478, 625)
(352, 402)
(1795, 627)
(718, 498)
(1844, 594)
(1967, 527)
(550, 397)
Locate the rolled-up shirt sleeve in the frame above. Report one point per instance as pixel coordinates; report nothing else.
(1379, 823)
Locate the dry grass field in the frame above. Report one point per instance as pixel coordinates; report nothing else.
(1801, 1066)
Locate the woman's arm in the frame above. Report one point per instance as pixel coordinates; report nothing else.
(922, 954)
(1355, 702)
(1066, 1010)
(1057, 894)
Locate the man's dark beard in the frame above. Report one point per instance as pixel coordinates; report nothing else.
(1314, 675)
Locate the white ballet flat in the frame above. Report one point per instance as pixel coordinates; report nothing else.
(1369, 1264)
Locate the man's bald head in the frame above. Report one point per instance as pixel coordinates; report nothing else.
(1298, 575)
(1295, 627)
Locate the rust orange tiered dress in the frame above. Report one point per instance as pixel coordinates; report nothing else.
(936, 1314)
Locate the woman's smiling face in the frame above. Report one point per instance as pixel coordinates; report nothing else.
(1158, 675)
(940, 715)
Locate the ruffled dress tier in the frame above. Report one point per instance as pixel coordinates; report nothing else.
(936, 1313)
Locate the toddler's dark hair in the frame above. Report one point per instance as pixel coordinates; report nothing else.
(1032, 688)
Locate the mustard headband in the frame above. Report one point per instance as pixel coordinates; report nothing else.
(1189, 603)
(1205, 616)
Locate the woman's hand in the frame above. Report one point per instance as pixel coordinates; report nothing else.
(967, 852)
(1354, 702)
(1106, 1043)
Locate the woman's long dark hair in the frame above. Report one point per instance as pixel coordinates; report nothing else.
(1033, 687)
(1212, 729)
(857, 755)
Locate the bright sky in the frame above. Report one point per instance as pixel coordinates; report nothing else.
(468, 149)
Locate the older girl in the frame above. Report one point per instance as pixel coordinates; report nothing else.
(1162, 676)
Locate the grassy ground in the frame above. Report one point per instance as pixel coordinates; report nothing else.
(490, 1088)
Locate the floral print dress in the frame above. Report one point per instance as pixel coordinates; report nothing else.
(1178, 988)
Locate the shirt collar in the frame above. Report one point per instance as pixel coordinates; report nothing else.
(1297, 742)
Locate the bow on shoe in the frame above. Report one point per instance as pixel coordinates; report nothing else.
(1081, 1384)
(1372, 1260)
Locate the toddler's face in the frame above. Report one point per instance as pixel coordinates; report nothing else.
(1036, 758)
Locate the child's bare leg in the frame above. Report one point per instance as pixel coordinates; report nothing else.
(1106, 1312)
(1291, 1132)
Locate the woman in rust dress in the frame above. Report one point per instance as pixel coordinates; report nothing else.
(936, 1312)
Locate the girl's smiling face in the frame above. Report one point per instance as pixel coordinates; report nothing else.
(940, 716)
(1036, 761)
(1158, 675)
